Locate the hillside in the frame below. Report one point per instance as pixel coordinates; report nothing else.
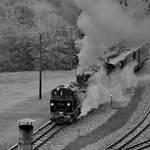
(67, 9)
(21, 22)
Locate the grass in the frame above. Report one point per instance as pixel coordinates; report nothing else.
(19, 99)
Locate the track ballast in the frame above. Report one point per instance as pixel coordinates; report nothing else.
(42, 135)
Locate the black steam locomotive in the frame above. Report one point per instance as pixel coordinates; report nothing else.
(65, 105)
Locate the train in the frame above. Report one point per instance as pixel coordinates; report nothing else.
(66, 101)
(137, 54)
(65, 104)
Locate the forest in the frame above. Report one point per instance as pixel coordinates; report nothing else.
(28, 26)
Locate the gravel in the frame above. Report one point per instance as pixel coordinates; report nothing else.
(80, 128)
(143, 106)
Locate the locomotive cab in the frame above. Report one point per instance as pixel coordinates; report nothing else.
(64, 105)
(82, 79)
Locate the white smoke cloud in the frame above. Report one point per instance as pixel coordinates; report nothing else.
(121, 85)
(105, 23)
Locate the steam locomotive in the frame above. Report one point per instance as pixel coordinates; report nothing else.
(65, 104)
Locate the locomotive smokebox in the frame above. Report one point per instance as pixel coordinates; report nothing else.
(25, 134)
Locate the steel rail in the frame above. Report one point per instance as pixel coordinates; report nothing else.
(43, 134)
(134, 137)
(42, 127)
(140, 146)
(47, 138)
(14, 147)
(130, 133)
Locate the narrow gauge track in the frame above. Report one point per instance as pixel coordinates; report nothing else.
(140, 146)
(131, 135)
(42, 135)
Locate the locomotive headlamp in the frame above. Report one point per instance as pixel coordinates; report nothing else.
(68, 104)
(52, 104)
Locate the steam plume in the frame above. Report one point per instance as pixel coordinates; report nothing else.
(120, 85)
(106, 23)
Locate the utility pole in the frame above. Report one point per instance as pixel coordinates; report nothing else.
(40, 66)
(70, 38)
(111, 101)
(71, 46)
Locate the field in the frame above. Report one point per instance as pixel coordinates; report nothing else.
(19, 99)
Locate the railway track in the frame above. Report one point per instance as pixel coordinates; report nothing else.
(128, 138)
(140, 146)
(42, 135)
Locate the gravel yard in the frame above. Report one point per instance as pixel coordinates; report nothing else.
(82, 127)
(115, 122)
(136, 116)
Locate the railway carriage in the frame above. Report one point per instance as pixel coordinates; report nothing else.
(65, 105)
(138, 54)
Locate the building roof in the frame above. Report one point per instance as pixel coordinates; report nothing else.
(123, 55)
